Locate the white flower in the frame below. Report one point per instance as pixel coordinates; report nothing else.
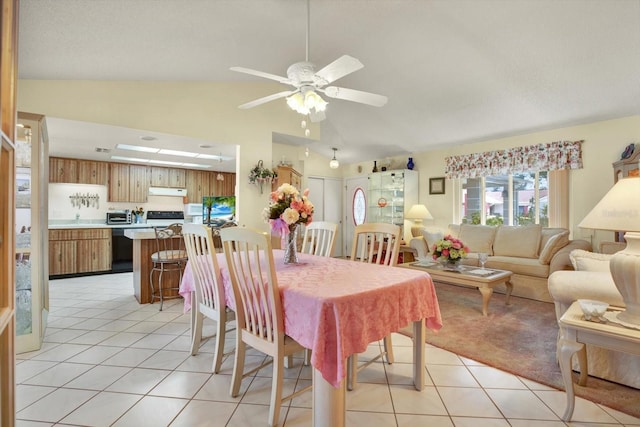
(290, 216)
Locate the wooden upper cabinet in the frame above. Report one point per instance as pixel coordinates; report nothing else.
(90, 172)
(118, 182)
(224, 187)
(197, 185)
(287, 175)
(63, 170)
(138, 184)
(168, 177)
(177, 178)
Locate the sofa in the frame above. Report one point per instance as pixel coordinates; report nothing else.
(531, 252)
(592, 280)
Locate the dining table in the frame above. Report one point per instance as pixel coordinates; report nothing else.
(336, 308)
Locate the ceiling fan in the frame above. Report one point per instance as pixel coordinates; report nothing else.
(308, 83)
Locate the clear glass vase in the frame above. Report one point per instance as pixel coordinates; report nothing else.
(290, 249)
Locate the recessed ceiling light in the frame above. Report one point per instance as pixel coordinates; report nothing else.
(103, 150)
(137, 148)
(148, 138)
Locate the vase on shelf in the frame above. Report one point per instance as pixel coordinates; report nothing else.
(410, 164)
(290, 249)
(375, 166)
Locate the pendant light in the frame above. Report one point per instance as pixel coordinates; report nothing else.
(334, 163)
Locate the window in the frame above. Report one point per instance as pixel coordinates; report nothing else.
(359, 207)
(516, 199)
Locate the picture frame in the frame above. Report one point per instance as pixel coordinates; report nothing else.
(436, 185)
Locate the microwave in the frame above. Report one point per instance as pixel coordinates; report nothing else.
(119, 217)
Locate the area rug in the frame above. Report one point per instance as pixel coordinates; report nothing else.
(519, 338)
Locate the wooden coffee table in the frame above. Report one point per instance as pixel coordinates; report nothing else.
(466, 275)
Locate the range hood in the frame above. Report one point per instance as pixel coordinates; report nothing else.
(164, 191)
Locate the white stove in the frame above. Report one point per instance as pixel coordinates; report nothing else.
(164, 218)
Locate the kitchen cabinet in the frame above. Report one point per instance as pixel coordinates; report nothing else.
(167, 177)
(91, 172)
(197, 185)
(63, 170)
(287, 174)
(81, 250)
(138, 184)
(222, 187)
(118, 190)
(391, 194)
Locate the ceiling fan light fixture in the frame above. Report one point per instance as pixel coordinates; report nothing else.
(334, 163)
(296, 103)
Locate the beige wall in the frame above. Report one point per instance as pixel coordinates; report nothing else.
(209, 111)
(196, 109)
(604, 142)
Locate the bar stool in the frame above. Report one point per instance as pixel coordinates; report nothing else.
(170, 257)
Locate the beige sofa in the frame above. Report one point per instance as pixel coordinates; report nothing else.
(532, 252)
(593, 280)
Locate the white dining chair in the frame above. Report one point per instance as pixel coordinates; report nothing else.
(319, 238)
(209, 292)
(374, 243)
(259, 315)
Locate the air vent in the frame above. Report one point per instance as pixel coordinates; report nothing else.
(103, 150)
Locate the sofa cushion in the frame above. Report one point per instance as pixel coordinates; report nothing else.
(523, 266)
(589, 261)
(431, 237)
(548, 233)
(517, 241)
(553, 245)
(478, 238)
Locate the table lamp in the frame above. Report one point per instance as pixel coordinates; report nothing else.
(619, 210)
(417, 213)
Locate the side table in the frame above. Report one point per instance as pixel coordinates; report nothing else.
(576, 332)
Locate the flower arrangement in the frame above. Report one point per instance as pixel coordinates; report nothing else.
(138, 211)
(288, 208)
(449, 249)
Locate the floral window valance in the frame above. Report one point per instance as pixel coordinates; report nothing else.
(541, 157)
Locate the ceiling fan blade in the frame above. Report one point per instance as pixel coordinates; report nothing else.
(339, 68)
(266, 99)
(355, 96)
(283, 80)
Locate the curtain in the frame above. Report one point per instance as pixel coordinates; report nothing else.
(533, 158)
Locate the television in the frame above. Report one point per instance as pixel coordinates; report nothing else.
(218, 210)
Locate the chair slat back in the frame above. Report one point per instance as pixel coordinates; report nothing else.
(319, 238)
(377, 243)
(252, 271)
(209, 291)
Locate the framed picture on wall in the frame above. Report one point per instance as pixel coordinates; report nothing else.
(436, 185)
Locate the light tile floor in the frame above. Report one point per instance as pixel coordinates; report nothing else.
(108, 361)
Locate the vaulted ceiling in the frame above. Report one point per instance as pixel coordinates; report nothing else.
(455, 71)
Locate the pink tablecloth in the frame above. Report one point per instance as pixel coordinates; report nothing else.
(337, 307)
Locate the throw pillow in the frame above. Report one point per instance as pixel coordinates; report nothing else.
(478, 238)
(553, 245)
(431, 237)
(548, 233)
(589, 261)
(517, 241)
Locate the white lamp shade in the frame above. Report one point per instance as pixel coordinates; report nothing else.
(619, 209)
(419, 212)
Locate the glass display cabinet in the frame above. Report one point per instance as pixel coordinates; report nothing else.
(31, 219)
(391, 195)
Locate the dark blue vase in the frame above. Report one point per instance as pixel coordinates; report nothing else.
(410, 163)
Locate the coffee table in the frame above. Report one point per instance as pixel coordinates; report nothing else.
(483, 279)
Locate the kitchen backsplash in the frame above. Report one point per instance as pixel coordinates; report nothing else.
(90, 202)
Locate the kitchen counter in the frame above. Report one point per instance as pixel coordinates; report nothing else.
(57, 226)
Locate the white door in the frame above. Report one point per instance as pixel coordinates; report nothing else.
(326, 196)
(355, 208)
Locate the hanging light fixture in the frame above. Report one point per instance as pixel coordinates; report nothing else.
(334, 163)
(220, 177)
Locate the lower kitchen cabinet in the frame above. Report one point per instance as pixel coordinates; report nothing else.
(84, 250)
